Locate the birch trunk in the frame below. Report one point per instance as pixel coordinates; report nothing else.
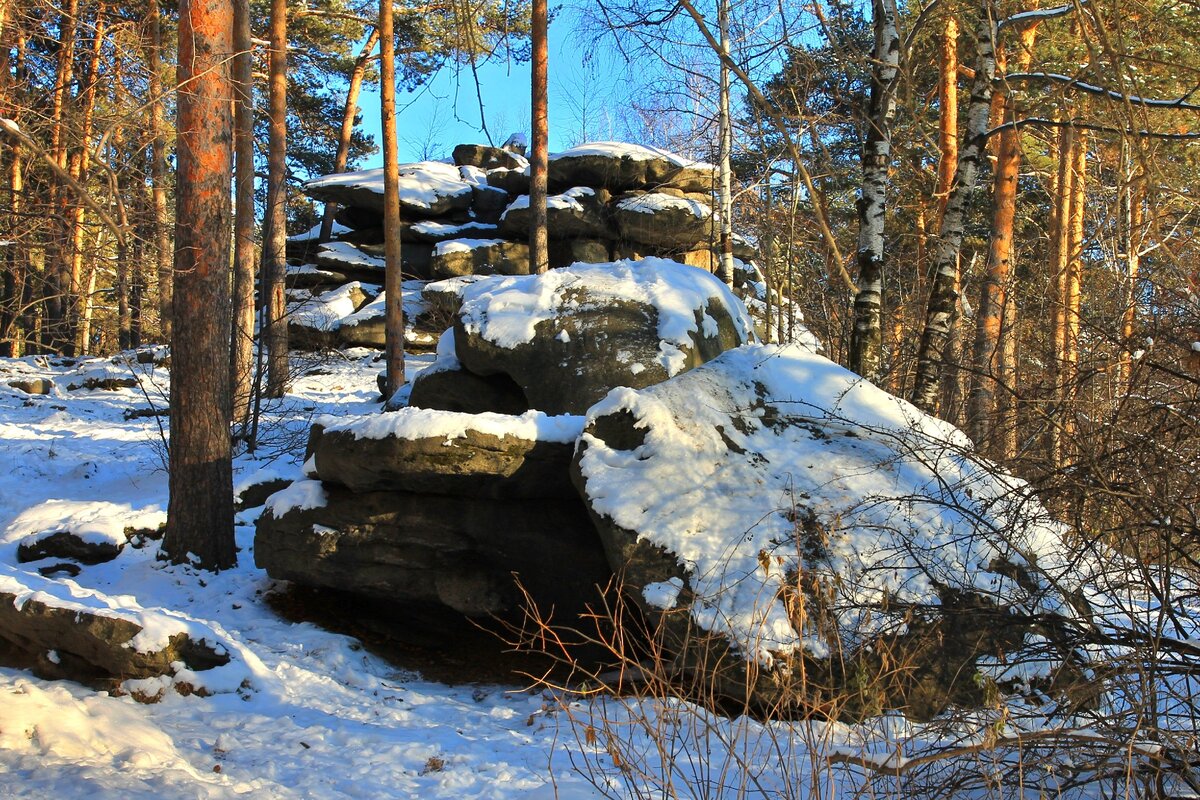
(725, 133)
(943, 292)
(866, 336)
(158, 170)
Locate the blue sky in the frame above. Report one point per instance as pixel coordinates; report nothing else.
(445, 112)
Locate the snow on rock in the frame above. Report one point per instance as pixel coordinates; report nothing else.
(344, 254)
(620, 166)
(313, 321)
(84, 530)
(772, 468)
(628, 323)
(313, 233)
(426, 187)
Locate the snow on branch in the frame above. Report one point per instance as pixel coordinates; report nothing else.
(1075, 83)
(1036, 15)
(1060, 123)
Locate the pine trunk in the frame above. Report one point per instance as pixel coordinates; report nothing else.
(275, 241)
(241, 362)
(1060, 246)
(539, 244)
(200, 511)
(158, 170)
(349, 112)
(991, 406)
(393, 300)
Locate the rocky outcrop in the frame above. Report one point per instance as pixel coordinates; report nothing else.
(90, 640)
(567, 337)
(431, 508)
(817, 533)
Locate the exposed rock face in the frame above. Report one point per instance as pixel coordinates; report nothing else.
(430, 507)
(474, 463)
(446, 386)
(94, 646)
(656, 218)
(611, 201)
(619, 166)
(567, 337)
(813, 520)
(65, 544)
(459, 257)
(33, 385)
(417, 549)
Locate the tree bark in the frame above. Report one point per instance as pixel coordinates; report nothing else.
(275, 244)
(58, 287)
(80, 163)
(200, 511)
(1060, 247)
(241, 362)
(943, 291)
(725, 125)
(158, 170)
(1131, 226)
(867, 335)
(393, 280)
(539, 247)
(1073, 289)
(991, 421)
(349, 112)
(948, 118)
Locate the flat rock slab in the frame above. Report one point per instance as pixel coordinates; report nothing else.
(416, 549)
(83, 636)
(446, 453)
(460, 257)
(427, 188)
(619, 166)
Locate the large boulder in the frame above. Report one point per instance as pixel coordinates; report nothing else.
(459, 257)
(446, 386)
(486, 158)
(568, 336)
(579, 212)
(439, 452)
(415, 550)
(823, 545)
(63, 631)
(427, 189)
(313, 321)
(619, 166)
(663, 220)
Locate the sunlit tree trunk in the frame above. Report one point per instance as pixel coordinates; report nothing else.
(991, 408)
(1073, 289)
(80, 163)
(158, 169)
(59, 290)
(275, 240)
(242, 333)
(943, 292)
(1060, 247)
(539, 245)
(1131, 226)
(393, 300)
(200, 511)
(866, 336)
(725, 133)
(349, 112)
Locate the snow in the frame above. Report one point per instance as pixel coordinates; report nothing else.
(434, 228)
(567, 201)
(315, 231)
(906, 510)
(422, 423)
(301, 712)
(465, 245)
(325, 312)
(655, 202)
(633, 152)
(505, 310)
(422, 184)
(93, 522)
(348, 254)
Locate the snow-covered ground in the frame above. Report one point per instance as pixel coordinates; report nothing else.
(302, 712)
(321, 717)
